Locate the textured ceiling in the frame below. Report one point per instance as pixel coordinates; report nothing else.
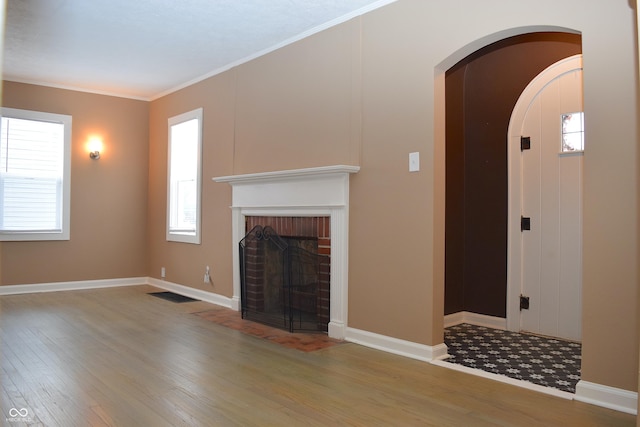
(146, 48)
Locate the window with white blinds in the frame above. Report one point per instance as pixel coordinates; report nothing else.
(34, 175)
(184, 171)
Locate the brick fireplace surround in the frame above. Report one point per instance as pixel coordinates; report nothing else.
(313, 192)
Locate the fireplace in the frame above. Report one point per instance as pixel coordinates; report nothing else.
(285, 267)
(313, 192)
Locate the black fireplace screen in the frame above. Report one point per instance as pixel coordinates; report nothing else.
(284, 281)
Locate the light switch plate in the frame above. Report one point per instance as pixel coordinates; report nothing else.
(414, 162)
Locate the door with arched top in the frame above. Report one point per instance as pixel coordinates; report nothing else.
(546, 137)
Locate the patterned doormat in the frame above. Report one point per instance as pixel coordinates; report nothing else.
(300, 341)
(540, 360)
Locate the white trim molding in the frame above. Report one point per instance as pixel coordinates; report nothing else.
(397, 346)
(607, 397)
(187, 291)
(503, 379)
(475, 319)
(111, 283)
(321, 191)
(71, 286)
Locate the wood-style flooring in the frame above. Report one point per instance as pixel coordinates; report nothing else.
(300, 341)
(120, 357)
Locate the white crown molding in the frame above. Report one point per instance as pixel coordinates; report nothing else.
(275, 47)
(397, 346)
(75, 88)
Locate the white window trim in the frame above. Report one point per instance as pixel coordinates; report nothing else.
(174, 236)
(65, 233)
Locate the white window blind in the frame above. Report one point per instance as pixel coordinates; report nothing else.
(33, 192)
(183, 210)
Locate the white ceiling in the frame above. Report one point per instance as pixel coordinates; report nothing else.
(146, 48)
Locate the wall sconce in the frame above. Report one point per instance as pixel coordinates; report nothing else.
(95, 146)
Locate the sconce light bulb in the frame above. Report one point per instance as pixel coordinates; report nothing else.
(94, 144)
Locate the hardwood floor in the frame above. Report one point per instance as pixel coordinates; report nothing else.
(120, 357)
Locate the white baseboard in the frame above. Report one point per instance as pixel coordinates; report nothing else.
(607, 397)
(475, 319)
(108, 283)
(192, 292)
(71, 286)
(397, 346)
(336, 330)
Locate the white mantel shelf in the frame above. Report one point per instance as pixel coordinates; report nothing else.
(321, 191)
(287, 174)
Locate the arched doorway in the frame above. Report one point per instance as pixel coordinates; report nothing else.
(480, 93)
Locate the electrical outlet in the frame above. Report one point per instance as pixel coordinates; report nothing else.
(207, 275)
(163, 273)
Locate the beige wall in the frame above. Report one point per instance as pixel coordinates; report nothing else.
(108, 196)
(637, 180)
(291, 109)
(610, 254)
(185, 263)
(299, 106)
(402, 44)
(368, 92)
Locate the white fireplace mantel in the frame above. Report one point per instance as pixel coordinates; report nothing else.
(321, 191)
(288, 174)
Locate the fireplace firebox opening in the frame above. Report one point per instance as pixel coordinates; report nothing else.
(285, 272)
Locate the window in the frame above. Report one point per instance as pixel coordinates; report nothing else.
(183, 206)
(572, 132)
(35, 164)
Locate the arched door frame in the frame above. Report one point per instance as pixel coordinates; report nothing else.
(439, 150)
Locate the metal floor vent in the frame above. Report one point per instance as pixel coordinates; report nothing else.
(170, 296)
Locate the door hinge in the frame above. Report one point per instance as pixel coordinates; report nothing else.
(525, 223)
(524, 302)
(525, 143)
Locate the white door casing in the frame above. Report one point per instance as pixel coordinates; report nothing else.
(545, 263)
